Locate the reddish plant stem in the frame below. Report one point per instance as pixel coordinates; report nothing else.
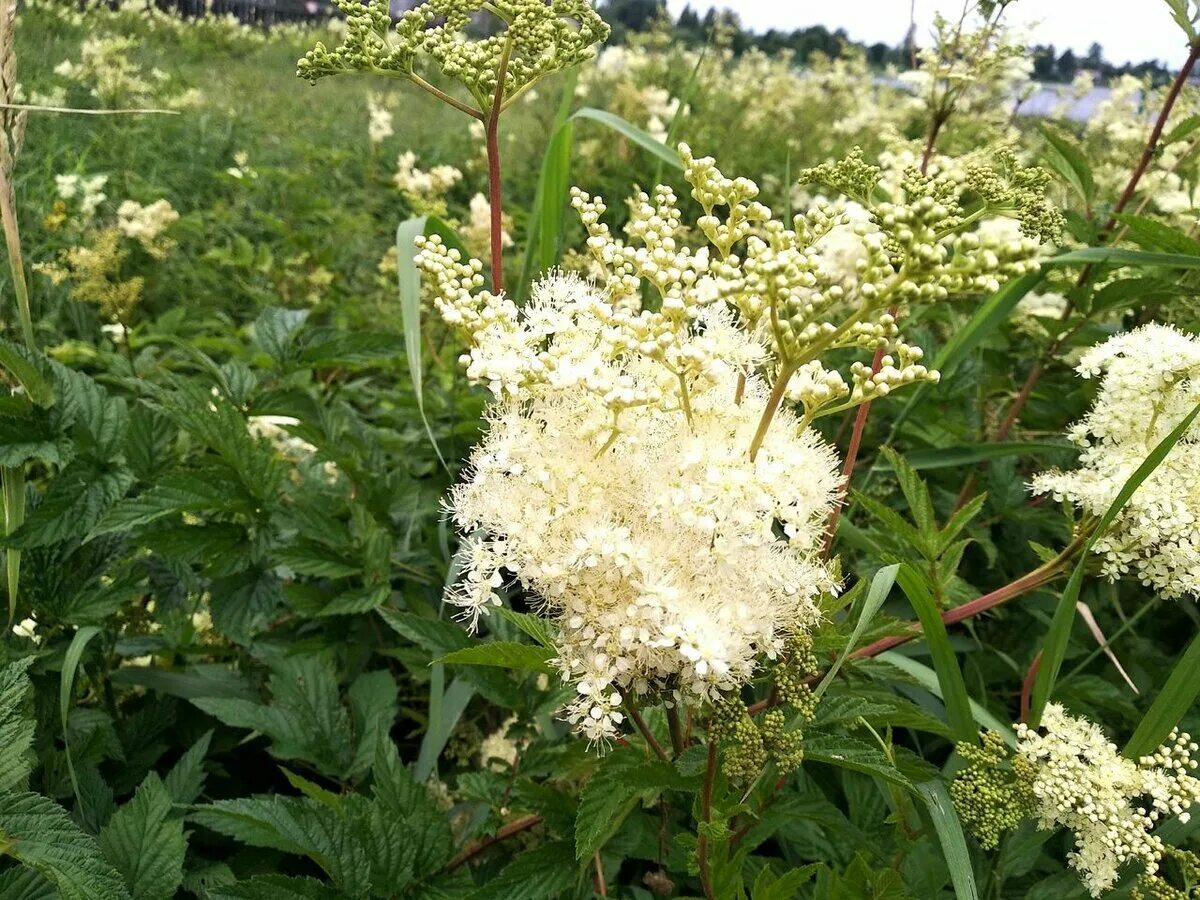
(514, 827)
(640, 723)
(1027, 686)
(860, 425)
(935, 127)
(1040, 576)
(1155, 134)
(492, 132)
(710, 775)
(598, 879)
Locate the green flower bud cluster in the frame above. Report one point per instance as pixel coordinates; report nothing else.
(540, 38)
(744, 753)
(1157, 887)
(1154, 887)
(927, 252)
(1020, 190)
(792, 674)
(785, 747)
(990, 795)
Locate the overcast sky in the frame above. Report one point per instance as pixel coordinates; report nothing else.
(1129, 30)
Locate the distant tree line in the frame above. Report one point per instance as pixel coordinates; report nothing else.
(639, 16)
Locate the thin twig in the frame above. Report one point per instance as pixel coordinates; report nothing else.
(514, 827)
(640, 723)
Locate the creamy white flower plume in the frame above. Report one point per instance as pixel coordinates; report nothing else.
(1082, 782)
(1148, 384)
(668, 559)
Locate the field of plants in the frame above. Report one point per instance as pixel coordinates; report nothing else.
(462, 456)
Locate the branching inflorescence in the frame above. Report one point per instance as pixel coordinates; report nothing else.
(643, 475)
(539, 38)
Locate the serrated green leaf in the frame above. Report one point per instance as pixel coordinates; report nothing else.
(915, 493)
(534, 626)
(1069, 161)
(846, 752)
(1153, 235)
(274, 887)
(357, 600)
(146, 844)
(23, 366)
(607, 799)
(503, 654)
(75, 501)
(16, 725)
(398, 796)
(546, 873)
(186, 778)
(301, 827)
(957, 522)
(275, 329)
(38, 833)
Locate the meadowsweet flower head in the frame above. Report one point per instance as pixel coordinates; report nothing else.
(85, 192)
(1081, 781)
(1148, 383)
(667, 558)
(146, 225)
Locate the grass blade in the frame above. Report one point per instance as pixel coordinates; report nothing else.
(881, 586)
(12, 484)
(556, 164)
(928, 679)
(950, 834)
(66, 690)
(1172, 702)
(1055, 647)
(633, 133)
(1096, 256)
(969, 454)
(945, 664)
(409, 283)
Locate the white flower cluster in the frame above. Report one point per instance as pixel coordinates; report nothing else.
(379, 118)
(1082, 782)
(668, 559)
(106, 68)
(146, 224)
(1149, 381)
(87, 191)
(426, 190)
(477, 230)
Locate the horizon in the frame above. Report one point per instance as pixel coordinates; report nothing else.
(1057, 22)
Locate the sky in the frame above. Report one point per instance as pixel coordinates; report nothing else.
(1128, 30)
